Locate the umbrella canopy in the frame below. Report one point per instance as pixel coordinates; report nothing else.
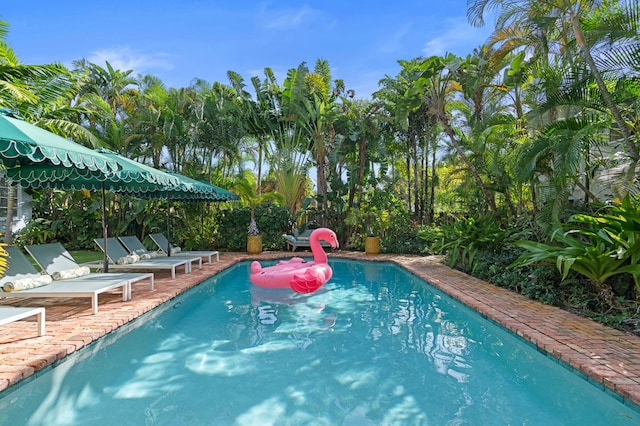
(23, 144)
(189, 190)
(130, 177)
(197, 190)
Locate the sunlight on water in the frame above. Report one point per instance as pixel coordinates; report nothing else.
(374, 346)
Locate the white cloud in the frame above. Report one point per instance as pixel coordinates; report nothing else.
(460, 38)
(124, 59)
(285, 19)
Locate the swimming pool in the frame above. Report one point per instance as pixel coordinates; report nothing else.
(374, 346)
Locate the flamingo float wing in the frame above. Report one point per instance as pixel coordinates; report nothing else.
(308, 281)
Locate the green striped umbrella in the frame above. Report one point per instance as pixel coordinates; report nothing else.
(131, 177)
(23, 144)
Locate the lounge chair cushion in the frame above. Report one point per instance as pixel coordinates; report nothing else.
(66, 274)
(27, 283)
(128, 259)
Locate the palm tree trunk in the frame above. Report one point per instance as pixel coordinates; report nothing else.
(606, 95)
(491, 202)
(322, 187)
(416, 174)
(259, 167)
(434, 179)
(362, 162)
(606, 294)
(408, 163)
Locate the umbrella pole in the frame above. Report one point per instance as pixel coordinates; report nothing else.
(105, 233)
(168, 226)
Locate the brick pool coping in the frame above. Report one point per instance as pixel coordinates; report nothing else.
(608, 357)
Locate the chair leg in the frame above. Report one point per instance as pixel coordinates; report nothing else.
(41, 322)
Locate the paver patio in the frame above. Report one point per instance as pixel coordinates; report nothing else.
(609, 357)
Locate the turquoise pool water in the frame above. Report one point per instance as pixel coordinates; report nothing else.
(375, 346)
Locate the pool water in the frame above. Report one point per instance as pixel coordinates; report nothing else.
(375, 346)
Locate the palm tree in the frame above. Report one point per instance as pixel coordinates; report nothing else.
(320, 113)
(117, 88)
(220, 132)
(565, 15)
(17, 80)
(283, 112)
(246, 187)
(434, 89)
(407, 135)
(39, 93)
(364, 135)
(258, 116)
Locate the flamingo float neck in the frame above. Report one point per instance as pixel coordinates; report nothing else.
(319, 255)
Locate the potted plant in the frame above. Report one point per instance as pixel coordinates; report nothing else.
(247, 189)
(377, 222)
(372, 222)
(372, 244)
(254, 239)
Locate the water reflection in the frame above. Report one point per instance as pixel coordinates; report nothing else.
(414, 321)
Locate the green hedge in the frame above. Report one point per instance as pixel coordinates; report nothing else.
(273, 221)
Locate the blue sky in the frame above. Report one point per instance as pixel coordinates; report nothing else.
(180, 40)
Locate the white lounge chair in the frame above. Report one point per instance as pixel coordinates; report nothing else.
(54, 258)
(134, 245)
(116, 251)
(21, 268)
(10, 314)
(165, 246)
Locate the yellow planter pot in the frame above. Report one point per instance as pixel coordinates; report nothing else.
(372, 245)
(254, 244)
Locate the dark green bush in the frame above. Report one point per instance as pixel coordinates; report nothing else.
(545, 284)
(538, 283)
(232, 224)
(402, 238)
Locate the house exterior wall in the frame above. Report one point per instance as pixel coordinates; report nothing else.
(23, 207)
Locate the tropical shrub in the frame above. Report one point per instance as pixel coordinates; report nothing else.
(37, 231)
(403, 237)
(430, 237)
(598, 246)
(383, 213)
(74, 218)
(538, 283)
(463, 239)
(192, 225)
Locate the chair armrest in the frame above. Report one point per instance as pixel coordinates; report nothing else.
(289, 238)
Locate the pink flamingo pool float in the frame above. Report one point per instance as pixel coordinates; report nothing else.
(296, 273)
